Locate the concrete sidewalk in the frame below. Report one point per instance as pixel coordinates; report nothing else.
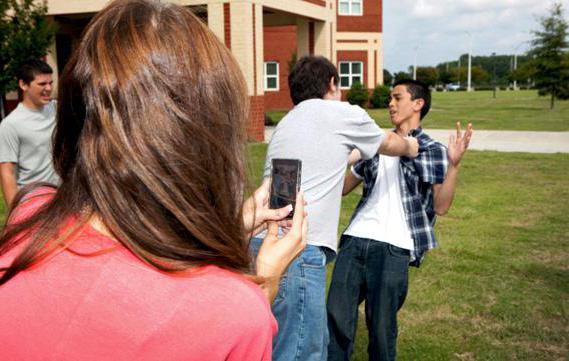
(500, 140)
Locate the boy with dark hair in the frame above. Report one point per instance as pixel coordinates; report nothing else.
(25, 134)
(321, 131)
(392, 226)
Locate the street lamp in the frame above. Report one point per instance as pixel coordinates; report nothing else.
(516, 63)
(415, 64)
(469, 87)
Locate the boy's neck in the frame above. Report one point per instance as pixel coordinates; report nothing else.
(405, 127)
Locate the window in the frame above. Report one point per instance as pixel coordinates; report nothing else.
(271, 75)
(351, 72)
(350, 7)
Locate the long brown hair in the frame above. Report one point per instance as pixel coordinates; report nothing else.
(150, 138)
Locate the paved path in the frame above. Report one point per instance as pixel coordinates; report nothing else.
(502, 141)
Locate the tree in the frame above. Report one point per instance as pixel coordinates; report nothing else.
(400, 75)
(550, 56)
(25, 33)
(380, 97)
(428, 75)
(358, 95)
(387, 77)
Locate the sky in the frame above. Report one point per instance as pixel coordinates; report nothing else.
(436, 31)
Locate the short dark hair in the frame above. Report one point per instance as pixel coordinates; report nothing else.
(32, 67)
(310, 78)
(418, 90)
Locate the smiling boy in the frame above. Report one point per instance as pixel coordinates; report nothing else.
(25, 134)
(392, 227)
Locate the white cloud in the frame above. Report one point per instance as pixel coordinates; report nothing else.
(439, 28)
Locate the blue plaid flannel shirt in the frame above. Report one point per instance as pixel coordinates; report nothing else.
(417, 177)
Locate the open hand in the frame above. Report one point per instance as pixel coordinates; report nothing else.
(458, 144)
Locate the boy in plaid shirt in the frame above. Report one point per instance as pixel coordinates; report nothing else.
(392, 226)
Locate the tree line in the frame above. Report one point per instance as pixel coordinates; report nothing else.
(544, 67)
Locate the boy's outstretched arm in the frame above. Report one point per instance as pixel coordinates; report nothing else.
(457, 146)
(395, 145)
(350, 182)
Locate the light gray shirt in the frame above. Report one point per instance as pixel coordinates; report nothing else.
(322, 134)
(25, 139)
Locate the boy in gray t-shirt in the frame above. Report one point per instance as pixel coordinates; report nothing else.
(25, 134)
(321, 131)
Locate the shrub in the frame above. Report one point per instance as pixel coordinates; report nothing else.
(358, 95)
(380, 97)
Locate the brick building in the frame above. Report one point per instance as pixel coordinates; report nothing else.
(263, 35)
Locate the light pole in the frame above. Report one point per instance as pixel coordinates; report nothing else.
(516, 63)
(469, 87)
(415, 64)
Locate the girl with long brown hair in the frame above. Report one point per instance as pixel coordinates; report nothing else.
(142, 252)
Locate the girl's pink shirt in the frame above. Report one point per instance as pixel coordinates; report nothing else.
(115, 307)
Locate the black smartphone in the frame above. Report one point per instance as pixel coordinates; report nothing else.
(285, 183)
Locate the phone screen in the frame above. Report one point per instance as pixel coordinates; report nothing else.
(285, 183)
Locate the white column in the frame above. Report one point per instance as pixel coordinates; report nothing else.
(215, 20)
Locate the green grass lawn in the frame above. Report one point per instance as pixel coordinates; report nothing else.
(497, 287)
(519, 110)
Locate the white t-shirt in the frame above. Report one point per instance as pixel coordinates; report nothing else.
(322, 133)
(383, 218)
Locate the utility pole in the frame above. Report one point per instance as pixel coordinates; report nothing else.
(469, 85)
(415, 64)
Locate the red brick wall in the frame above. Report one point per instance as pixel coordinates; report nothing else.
(280, 44)
(227, 25)
(370, 21)
(256, 128)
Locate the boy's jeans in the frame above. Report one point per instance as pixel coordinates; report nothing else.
(300, 307)
(376, 272)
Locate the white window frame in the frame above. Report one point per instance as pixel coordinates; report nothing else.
(350, 75)
(351, 11)
(266, 76)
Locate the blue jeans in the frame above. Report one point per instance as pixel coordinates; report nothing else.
(376, 272)
(300, 307)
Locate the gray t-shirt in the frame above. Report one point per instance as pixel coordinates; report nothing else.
(25, 139)
(322, 133)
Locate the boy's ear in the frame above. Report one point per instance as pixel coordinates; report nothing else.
(332, 87)
(418, 104)
(22, 84)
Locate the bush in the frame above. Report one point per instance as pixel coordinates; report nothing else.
(380, 97)
(358, 95)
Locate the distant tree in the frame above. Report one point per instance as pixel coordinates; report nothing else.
(387, 77)
(400, 75)
(550, 55)
(479, 75)
(524, 73)
(445, 76)
(428, 75)
(358, 95)
(25, 33)
(380, 96)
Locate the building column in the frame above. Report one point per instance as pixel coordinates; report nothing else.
(215, 20)
(323, 38)
(246, 41)
(302, 37)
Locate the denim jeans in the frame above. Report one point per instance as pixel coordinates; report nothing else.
(300, 307)
(376, 272)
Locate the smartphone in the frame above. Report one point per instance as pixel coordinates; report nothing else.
(285, 183)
